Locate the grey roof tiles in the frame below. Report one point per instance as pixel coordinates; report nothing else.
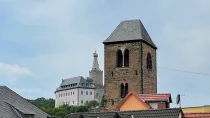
(130, 30)
(13, 105)
(74, 82)
(161, 113)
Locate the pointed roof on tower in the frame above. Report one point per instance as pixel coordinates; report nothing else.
(95, 62)
(130, 30)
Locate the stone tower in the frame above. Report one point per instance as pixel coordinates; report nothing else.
(97, 76)
(129, 62)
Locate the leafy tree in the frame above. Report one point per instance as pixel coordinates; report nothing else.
(92, 104)
(102, 103)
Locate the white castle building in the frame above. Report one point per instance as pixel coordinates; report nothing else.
(78, 90)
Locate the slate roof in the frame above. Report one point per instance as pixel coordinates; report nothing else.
(130, 30)
(161, 113)
(196, 115)
(76, 82)
(156, 97)
(13, 105)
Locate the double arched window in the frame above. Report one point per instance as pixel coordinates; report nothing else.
(123, 90)
(149, 61)
(123, 58)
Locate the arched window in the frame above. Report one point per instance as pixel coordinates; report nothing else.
(122, 90)
(119, 58)
(126, 89)
(149, 61)
(126, 58)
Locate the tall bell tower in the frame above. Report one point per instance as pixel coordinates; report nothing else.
(129, 62)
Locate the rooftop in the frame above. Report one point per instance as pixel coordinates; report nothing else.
(74, 82)
(156, 97)
(130, 30)
(13, 105)
(162, 113)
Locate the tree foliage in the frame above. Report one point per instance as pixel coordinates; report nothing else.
(48, 106)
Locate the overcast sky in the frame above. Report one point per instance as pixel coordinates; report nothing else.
(45, 41)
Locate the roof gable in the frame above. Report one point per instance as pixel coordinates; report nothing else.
(130, 30)
(132, 98)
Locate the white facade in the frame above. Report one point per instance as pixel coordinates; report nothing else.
(76, 96)
(154, 105)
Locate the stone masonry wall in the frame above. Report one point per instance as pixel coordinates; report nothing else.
(149, 76)
(132, 75)
(115, 76)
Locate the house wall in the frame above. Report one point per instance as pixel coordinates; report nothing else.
(154, 105)
(133, 103)
(73, 96)
(85, 98)
(70, 99)
(196, 109)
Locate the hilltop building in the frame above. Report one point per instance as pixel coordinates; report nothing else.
(97, 76)
(80, 90)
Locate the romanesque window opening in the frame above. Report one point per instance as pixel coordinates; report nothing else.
(112, 102)
(122, 90)
(112, 74)
(126, 58)
(119, 58)
(126, 89)
(136, 72)
(149, 61)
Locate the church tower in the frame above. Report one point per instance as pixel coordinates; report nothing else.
(97, 76)
(129, 62)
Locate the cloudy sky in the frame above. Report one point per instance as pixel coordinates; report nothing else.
(44, 41)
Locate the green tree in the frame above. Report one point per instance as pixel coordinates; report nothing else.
(92, 104)
(102, 103)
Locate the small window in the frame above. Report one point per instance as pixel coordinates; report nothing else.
(81, 101)
(126, 89)
(112, 102)
(66, 94)
(81, 92)
(73, 92)
(87, 102)
(149, 61)
(63, 94)
(126, 58)
(122, 90)
(86, 84)
(73, 102)
(86, 92)
(119, 58)
(90, 93)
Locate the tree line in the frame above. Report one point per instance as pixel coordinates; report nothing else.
(48, 105)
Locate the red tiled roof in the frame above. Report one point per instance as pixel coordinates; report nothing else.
(156, 97)
(196, 115)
